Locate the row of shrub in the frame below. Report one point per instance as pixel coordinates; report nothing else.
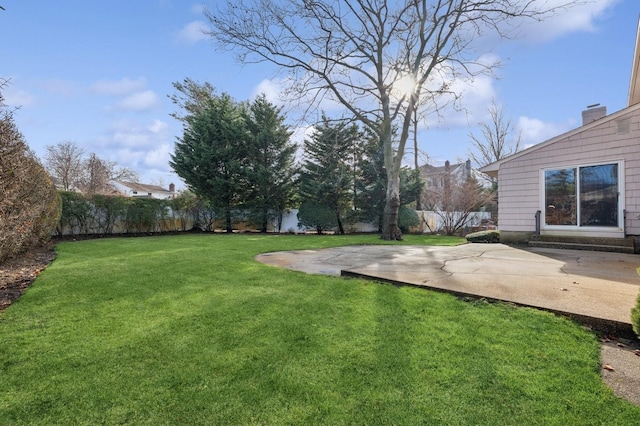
(111, 214)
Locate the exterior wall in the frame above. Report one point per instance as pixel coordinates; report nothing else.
(616, 138)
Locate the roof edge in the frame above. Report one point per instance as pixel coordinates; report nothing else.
(632, 98)
(495, 166)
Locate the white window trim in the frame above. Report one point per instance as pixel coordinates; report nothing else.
(589, 231)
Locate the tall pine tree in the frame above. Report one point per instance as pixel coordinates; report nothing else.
(270, 171)
(326, 180)
(210, 157)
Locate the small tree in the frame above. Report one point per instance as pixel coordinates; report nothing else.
(64, 163)
(498, 140)
(98, 175)
(70, 170)
(183, 208)
(456, 199)
(317, 216)
(407, 219)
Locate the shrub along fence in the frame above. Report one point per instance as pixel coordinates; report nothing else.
(105, 214)
(110, 214)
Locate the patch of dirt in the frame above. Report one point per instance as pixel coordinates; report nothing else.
(17, 273)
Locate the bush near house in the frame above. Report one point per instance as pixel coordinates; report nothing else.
(407, 219)
(317, 216)
(484, 237)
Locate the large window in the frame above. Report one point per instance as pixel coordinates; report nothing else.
(582, 196)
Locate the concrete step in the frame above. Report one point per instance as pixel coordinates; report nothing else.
(616, 245)
(578, 246)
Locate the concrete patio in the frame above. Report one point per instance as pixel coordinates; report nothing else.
(595, 288)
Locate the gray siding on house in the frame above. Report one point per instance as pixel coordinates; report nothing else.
(612, 139)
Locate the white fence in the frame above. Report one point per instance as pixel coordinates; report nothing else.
(430, 222)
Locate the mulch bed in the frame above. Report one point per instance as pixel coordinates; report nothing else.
(17, 273)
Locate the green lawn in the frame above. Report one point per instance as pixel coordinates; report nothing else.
(191, 330)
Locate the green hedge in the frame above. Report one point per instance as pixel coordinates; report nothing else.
(484, 237)
(106, 214)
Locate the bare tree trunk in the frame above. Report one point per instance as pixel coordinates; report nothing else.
(227, 215)
(415, 154)
(340, 225)
(390, 228)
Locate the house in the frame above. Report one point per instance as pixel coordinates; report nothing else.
(583, 183)
(139, 190)
(436, 177)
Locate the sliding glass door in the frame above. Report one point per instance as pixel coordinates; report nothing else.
(583, 196)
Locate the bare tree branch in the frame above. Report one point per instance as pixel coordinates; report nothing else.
(498, 139)
(359, 52)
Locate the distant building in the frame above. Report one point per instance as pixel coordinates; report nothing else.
(438, 177)
(139, 190)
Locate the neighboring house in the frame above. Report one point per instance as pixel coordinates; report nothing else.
(436, 177)
(139, 190)
(584, 183)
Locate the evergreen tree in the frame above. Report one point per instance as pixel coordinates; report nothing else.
(210, 157)
(326, 178)
(270, 170)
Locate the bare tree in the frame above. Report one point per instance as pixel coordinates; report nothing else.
(455, 200)
(498, 139)
(71, 170)
(99, 174)
(64, 163)
(377, 58)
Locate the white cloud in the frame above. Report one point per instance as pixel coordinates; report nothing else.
(575, 18)
(143, 147)
(158, 126)
(474, 96)
(128, 134)
(120, 87)
(192, 33)
(272, 90)
(535, 130)
(141, 101)
(159, 157)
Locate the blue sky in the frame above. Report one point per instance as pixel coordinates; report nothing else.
(99, 73)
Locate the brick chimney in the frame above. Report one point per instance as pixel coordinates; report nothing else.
(593, 113)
